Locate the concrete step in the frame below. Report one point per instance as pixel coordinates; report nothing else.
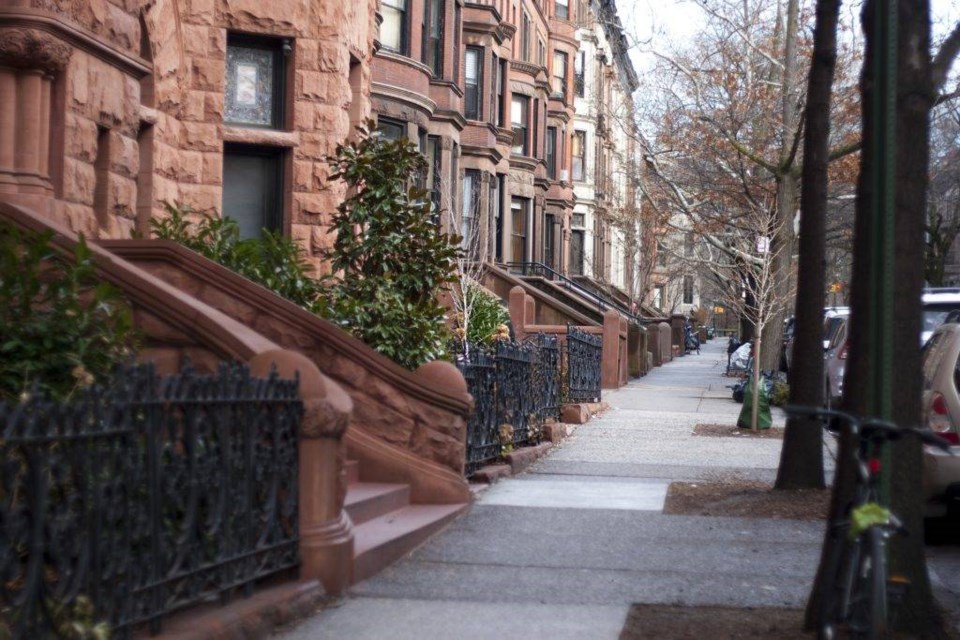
(382, 541)
(353, 471)
(368, 500)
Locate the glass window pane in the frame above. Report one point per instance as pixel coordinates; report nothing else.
(472, 65)
(250, 90)
(391, 29)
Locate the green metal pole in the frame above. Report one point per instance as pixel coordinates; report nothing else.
(884, 70)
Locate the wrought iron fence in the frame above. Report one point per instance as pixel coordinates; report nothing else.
(515, 385)
(145, 497)
(546, 376)
(584, 353)
(479, 368)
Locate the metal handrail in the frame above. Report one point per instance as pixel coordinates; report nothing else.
(603, 303)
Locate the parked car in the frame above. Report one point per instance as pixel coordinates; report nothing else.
(937, 303)
(941, 413)
(835, 360)
(833, 318)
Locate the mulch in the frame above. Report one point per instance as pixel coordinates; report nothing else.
(746, 499)
(726, 430)
(646, 621)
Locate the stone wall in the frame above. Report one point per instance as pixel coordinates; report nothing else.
(133, 114)
(400, 408)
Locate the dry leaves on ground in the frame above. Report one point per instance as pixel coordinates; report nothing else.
(727, 430)
(746, 499)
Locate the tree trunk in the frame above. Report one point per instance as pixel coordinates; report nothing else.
(755, 399)
(801, 458)
(783, 242)
(917, 614)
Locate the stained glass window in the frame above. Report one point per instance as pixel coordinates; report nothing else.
(252, 91)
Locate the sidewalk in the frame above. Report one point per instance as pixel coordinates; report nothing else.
(562, 551)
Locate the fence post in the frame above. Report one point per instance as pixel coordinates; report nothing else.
(518, 312)
(610, 363)
(666, 353)
(677, 323)
(326, 535)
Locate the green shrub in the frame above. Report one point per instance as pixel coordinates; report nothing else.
(391, 261)
(780, 395)
(489, 321)
(63, 327)
(274, 261)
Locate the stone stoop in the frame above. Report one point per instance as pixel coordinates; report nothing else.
(387, 526)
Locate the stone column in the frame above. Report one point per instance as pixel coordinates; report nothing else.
(326, 533)
(677, 322)
(666, 353)
(610, 356)
(30, 59)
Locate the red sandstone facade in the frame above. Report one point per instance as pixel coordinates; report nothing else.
(110, 108)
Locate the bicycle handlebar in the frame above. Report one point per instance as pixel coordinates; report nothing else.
(871, 427)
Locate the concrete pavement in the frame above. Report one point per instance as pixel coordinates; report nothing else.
(562, 551)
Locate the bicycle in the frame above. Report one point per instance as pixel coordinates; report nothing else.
(859, 591)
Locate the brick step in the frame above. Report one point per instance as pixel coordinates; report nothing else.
(382, 541)
(353, 471)
(368, 500)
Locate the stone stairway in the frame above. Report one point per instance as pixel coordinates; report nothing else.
(387, 526)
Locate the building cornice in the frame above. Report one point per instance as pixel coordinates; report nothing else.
(399, 94)
(44, 38)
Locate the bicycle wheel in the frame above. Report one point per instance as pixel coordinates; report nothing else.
(868, 617)
(839, 577)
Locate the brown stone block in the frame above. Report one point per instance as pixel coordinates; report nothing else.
(122, 27)
(208, 74)
(276, 16)
(388, 394)
(384, 423)
(313, 85)
(190, 166)
(194, 106)
(201, 359)
(201, 136)
(107, 104)
(309, 205)
(79, 181)
(195, 39)
(177, 278)
(307, 54)
(213, 106)
(320, 238)
(217, 43)
(198, 11)
(301, 234)
(202, 197)
(118, 228)
(212, 168)
(574, 413)
(80, 138)
(159, 332)
(80, 218)
(124, 155)
(438, 447)
(77, 80)
(321, 175)
(302, 175)
(303, 114)
(332, 58)
(121, 196)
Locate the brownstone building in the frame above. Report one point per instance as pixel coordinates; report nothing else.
(109, 108)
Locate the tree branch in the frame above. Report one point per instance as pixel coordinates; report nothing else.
(944, 58)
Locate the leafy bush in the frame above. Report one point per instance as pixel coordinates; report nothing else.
(63, 327)
(274, 261)
(391, 260)
(489, 321)
(780, 395)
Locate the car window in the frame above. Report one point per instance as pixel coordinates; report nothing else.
(935, 313)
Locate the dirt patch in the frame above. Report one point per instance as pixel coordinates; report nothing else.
(725, 430)
(746, 499)
(697, 623)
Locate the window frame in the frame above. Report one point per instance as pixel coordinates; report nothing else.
(524, 227)
(275, 46)
(561, 59)
(581, 136)
(432, 53)
(562, 15)
(473, 106)
(580, 77)
(550, 152)
(522, 149)
(404, 22)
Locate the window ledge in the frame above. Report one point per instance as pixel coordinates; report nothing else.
(266, 137)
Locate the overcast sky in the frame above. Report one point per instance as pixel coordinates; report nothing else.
(656, 23)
